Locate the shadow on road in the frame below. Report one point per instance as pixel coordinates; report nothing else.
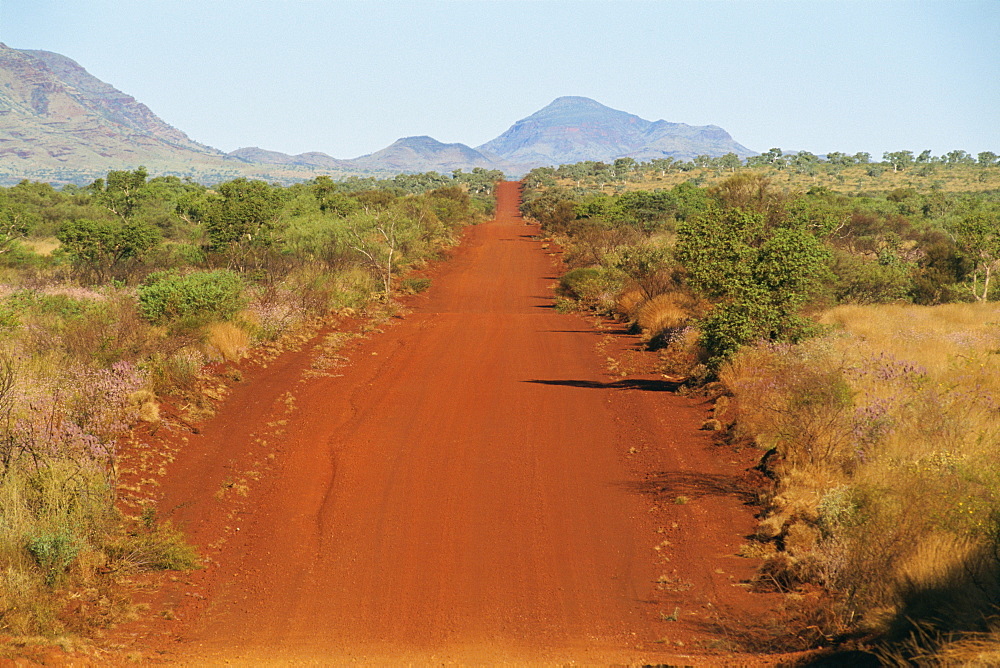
(627, 384)
(595, 332)
(697, 485)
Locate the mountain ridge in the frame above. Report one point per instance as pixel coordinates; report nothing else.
(114, 105)
(64, 114)
(424, 151)
(574, 129)
(60, 123)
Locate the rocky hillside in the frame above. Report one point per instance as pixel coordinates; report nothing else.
(55, 118)
(59, 123)
(77, 96)
(574, 129)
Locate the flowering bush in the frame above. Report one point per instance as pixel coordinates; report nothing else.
(884, 437)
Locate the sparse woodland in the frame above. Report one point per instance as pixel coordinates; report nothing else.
(117, 294)
(842, 314)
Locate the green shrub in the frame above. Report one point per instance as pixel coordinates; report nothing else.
(195, 298)
(181, 255)
(591, 287)
(574, 282)
(21, 256)
(9, 316)
(861, 281)
(54, 550)
(731, 326)
(61, 306)
(104, 249)
(415, 284)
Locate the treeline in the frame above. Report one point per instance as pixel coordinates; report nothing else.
(852, 339)
(171, 210)
(117, 293)
(979, 169)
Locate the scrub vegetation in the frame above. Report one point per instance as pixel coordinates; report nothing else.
(842, 313)
(116, 295)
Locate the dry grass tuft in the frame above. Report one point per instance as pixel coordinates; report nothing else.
(628, 302)
(662, 312)
(150, 412)
(226, 342)
(146, 406)
(975, 651)
(927, 646)
(682, 353)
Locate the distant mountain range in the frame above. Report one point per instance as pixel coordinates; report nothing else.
(59, 123)
(574, 129)
(425, 154)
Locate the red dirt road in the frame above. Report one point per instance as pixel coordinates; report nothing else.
(462, 492)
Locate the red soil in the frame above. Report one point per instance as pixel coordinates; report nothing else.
(473, 487)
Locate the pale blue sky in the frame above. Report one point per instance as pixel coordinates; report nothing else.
(348, 78)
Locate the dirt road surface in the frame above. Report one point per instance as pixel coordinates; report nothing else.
(474, 487)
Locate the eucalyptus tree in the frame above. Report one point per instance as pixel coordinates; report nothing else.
(14, 223)
(730, 162)
(123, 192)
(958, 157)
(899, 160)
(977, 233)
(103, 249)
(839, 159)
(377, 235)
(242, 221)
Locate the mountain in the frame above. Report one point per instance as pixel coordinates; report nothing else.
(409, 154)
(570, 129)
(574, 129)
(54, 115)
(424, 154)
(312, 159)
(59, 123)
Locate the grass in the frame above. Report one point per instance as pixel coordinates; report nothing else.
(78, 367)
(661, 313)
(226, 341)
(415, 285)
(42, 246)
(61, 537)
(883, 438)
(926, 646)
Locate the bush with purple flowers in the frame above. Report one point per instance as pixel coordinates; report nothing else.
(884, 439)
(59, 424)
